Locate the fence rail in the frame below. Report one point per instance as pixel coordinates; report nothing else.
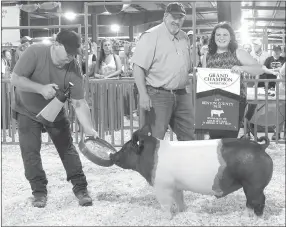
(115, 113)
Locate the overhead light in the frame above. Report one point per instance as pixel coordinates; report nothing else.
(70, 15)
(46, 41)
(244, 35)
(114, 27)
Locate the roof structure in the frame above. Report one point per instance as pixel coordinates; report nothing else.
(258, 17)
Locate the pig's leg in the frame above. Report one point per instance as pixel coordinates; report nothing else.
(179, 200)
(255, 198)
(165, 198)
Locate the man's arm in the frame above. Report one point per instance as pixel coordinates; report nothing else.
(83, 114)
(25, 84)
(139, 77)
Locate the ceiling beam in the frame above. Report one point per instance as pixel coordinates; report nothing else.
(265, 19)
(263, 7)
(274, 13)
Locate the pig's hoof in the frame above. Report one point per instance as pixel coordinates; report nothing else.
(182, 208)
(168, 215)
(248, 213)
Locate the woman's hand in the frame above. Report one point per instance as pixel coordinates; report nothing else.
(236, 69)
(99, 76)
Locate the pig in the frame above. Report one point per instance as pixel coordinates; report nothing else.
(210, 167)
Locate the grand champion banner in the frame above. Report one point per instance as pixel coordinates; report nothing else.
(217, 103)
(209, 79)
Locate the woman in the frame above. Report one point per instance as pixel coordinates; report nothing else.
(108, 64)
(6, 64)
(223, 53)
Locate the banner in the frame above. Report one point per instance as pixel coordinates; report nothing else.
(217, 102)
(10, 18)
(209, 79)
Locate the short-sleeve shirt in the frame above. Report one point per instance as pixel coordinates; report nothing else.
(166, 58)
(36, 64)
(260, 58)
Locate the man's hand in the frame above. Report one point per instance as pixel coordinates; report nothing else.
(145, 101)
(49, 91)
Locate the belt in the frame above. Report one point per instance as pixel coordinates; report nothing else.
(180, 91)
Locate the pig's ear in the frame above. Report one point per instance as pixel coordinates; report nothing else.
(138, 137)
(144, 131)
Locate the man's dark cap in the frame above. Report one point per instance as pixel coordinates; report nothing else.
(175, 8)
(277, 47)
(70, 40)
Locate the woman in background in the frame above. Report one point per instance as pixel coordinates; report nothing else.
(223, 53)
(108, 64)
(6, 63)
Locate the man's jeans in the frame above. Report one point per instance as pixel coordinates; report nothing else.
(171, 108)
(30, 144)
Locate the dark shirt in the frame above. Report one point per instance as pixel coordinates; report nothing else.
(271, 63)
(36, 64)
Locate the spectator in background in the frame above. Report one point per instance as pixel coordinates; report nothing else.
(204, 46)
(247, 47)
(283, 54)
(191, 38)
(282, 104)
(13, 58)
(91, 61)
(272, 66)
(162, 61)
(224, 53)
(6, 64)
(108, 64)
(258, 54)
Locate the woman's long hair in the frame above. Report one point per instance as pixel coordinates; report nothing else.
(102, 54)
(232, 46)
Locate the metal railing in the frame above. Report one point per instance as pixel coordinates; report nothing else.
(115, 113)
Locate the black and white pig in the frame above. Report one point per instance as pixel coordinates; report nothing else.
(211, 167)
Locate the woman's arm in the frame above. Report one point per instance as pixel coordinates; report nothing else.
(249, 65)
(118, 67)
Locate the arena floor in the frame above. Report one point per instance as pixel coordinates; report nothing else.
(123, 197)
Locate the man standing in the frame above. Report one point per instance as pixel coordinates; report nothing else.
(162, 61)
(258, 53)
(247, 47)
(37, 75)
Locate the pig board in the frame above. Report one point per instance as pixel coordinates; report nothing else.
(217, 110)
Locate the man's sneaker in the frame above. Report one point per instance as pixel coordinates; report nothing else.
(83, 198)
(274, 136)
(40, 201)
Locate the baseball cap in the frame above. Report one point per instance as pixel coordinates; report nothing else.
(257, 42)
(190, 32)
(175, 8)
(277, 48)
(70, 40)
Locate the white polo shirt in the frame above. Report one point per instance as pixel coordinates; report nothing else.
(165, 57)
